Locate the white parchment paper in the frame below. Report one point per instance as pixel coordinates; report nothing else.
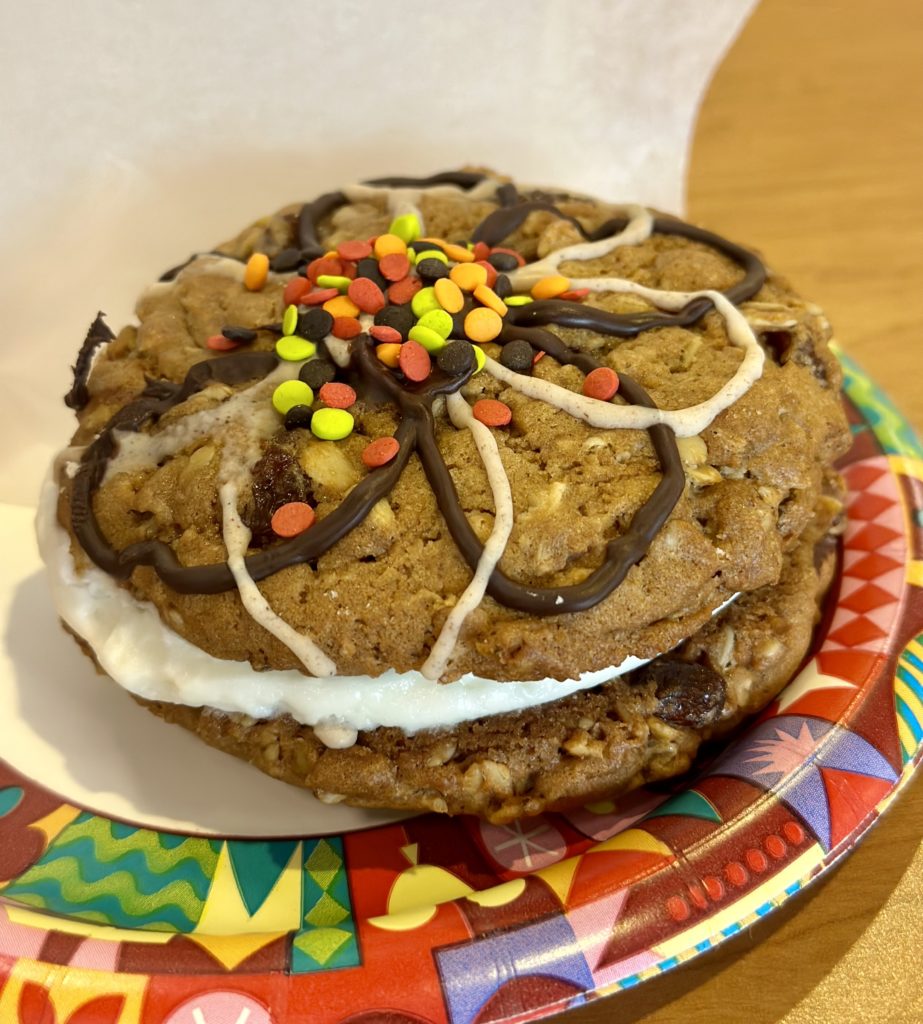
(136, 133)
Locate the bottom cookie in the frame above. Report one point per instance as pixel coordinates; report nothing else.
(596, 743)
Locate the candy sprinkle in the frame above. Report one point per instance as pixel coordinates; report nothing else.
(437, 320)
(468, 276)
(449, 295)
(491, 412)
(290, 393)
(333, 281)
(354, 251)
(320, 296)
(219, 343)
(483, 324)
(332, 424)
(518, 300)
(404, 290)
(290, 320)
(341, 305)
(346, 327)
(380, 452)
(292, 518)
(386, 334)
(550, 287)
(366, 295)
(387, 244)
(488, 297)
(294, 349)
(295, 290)
(414, 361)
(337, 396)
(406, 227)
(424, 301)
(601, 383)
(256, 271)
(389, 354)
(431, 340)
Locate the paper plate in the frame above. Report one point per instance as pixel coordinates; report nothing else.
(452, 920)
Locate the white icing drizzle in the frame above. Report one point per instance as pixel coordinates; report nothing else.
(243, 420)
(461, 416)
(236, 538)
(683, 422)
(407, 200)
(637, 230)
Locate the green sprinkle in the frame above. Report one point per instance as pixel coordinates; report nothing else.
(469, 246)
(518, 300)
(431, 340)
(291, 393)
(411, 255)
(437, 320)
(433, 254)
(332, 424)
(406, 227)
(479, 357)
(424, 301)
(333, 281)
(290, 320)
(293, 349)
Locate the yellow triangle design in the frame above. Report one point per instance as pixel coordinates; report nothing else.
(321, 943)
(323, 864)
(559, 877)
(635, 839)
(326, 912)
(228, 931)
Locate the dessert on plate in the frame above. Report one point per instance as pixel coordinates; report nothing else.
(446, 494)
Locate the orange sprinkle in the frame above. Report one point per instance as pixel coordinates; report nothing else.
(337, 396)
(458, 253)
(342, 305)
(483, 324)
(385, 245)
(256, 272)
(601, 383)
(468, 276)
(389, 353)
(449, 295)
(380, 452)
(488, 297)
(491, 412)
(550, 287)
(292, 518)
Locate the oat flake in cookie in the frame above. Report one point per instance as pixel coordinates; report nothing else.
(442, 494)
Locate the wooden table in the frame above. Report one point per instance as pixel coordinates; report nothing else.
(810, 148)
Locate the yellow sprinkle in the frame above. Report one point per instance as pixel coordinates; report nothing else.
(483, 324)
(342, 305)
(389, 353)
(458, 253)
(468, 276)
(488, 297)
(387, 244)
(550, 287)
(449, 295)
(256, 272)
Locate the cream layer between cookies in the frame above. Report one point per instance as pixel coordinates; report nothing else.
(143, 656)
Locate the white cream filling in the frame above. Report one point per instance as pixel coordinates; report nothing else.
(142, 655)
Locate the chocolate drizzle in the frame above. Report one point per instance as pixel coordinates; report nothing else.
(98, 335)
(416, 432)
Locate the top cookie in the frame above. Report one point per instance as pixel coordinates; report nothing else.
(602, 525)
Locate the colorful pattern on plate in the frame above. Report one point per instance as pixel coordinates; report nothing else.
(455, 921)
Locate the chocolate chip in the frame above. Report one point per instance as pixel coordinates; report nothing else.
(456, 358)
(503, 286)
(688, 694)
(286, 260)
(368, 267)
(517, 355)
(244, 335)
(314, 323)
(502, 261)
(401, 318)
(277, 478)
(298, 416)
(432, 269)
(418, 245)
(317, 372)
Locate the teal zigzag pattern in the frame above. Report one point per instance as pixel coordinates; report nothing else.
(105, 872)
(894, 433)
